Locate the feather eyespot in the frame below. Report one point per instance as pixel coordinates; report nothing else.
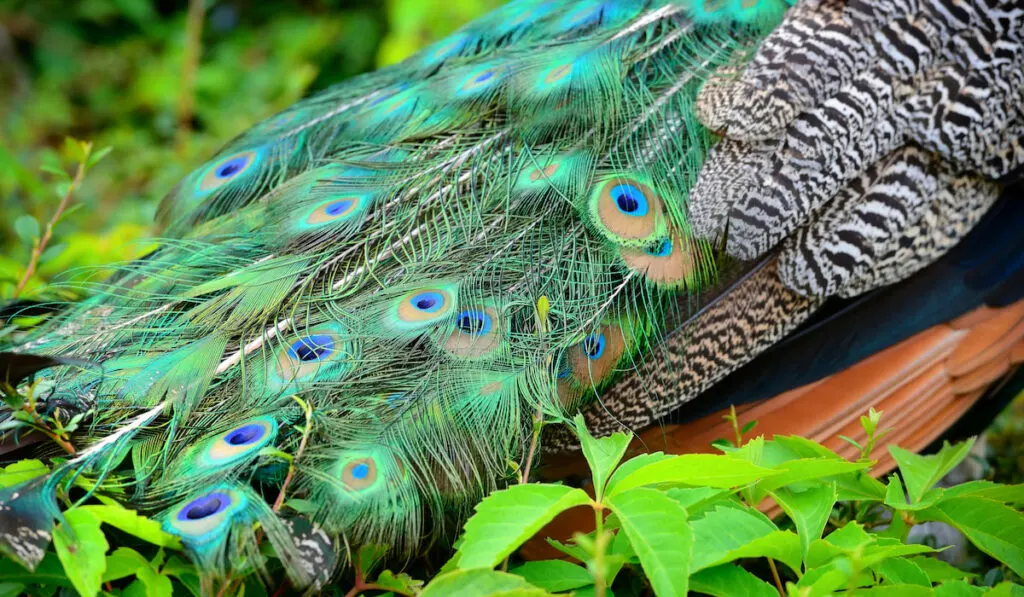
(662, 248)
(205, 518)
(594, 359)
(475, 334)
(227, 169)
(593, 346)
(237, 443)
(667, 262)
(317, 347)
(482, 79)
(474, 321)
(423, 307)
(334, 209)
(628, 211)
(359, 474)
(205, 506)
(630, 200)
(321, 349)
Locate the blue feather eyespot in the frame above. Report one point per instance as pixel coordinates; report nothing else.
(334, 209)
(205, 518)
(428, 302)
(474, 321)
(475, 333)
(593, 346)
(630, 200)
(359, 474)
(667, 262)
(593, 360)
(662, 248)
(227, 170)
(320, 350)
(628, 210)
(205, 506)
(238, 443)
(245, 435)
(312, 348)
(480, 80)
(422, 307)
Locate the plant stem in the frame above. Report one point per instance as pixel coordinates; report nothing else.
(189, 65)
(599, 581)
(775, 576)
(538, 418)
(37, 251)
(298, 454)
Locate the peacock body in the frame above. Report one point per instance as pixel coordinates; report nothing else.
(597, 205)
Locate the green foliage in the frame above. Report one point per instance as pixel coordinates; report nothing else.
(112, 71)
(664, 525)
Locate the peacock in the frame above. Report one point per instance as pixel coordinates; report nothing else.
(638, 210)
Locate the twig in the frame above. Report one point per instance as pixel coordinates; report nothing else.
(298, 454)
(775, 576)
(37, 251)
(189, 65)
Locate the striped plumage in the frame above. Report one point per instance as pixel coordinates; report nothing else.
(526, 218)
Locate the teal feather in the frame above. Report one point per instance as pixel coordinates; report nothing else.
(381, 250)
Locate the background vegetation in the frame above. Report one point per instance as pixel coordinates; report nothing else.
(164, 83)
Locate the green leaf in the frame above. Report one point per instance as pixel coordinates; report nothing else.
(10, 589)
(897, 500)
(921, 473)
(708, 470)
(809, 510)
(1006, 589)
(370, 556)
(123, 562)
(137, 526)
(97, 156)
(81, 547)
(729, 580)
(157, 585)
(895, 591)
(692, 497)
(52, 252)
(725, 534)
(27, 228)
(22, 471)
(507, 518)
(992, 527)
(554, 575)
(401, 582)
(939, 571)
(603, 455)
(901, 571)
(957, 589)
(473, 583)
(49, 572)
(1010, 494)
(804, 469)
(657, 529)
